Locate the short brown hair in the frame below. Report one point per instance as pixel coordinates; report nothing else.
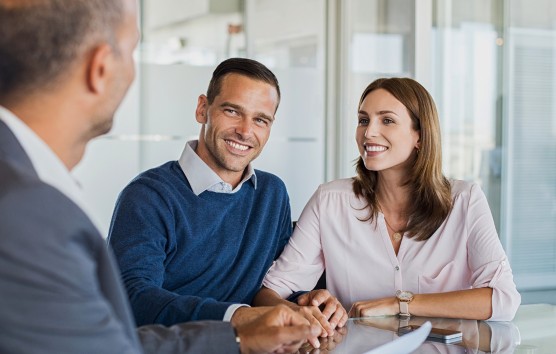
(431, 191)
(242, 66)
(40, 39)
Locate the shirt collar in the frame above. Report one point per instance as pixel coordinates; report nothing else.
(202, 178)
(47, 164)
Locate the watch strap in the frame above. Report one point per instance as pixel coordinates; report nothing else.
(404, 308)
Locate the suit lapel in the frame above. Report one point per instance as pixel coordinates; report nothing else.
(12, 152)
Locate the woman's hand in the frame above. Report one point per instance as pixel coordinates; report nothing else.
(331, 314)
(387, 306)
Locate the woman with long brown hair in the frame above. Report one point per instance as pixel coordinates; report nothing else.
(399, 237)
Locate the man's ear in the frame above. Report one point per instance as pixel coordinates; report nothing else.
(202, 108)
(98, 68)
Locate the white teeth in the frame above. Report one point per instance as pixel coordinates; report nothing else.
(374, 148)
(237, 146)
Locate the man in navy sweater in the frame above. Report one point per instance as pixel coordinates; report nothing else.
(195, 237)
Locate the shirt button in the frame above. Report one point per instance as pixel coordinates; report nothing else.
(397, 268)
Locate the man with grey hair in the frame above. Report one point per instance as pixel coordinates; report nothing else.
(65, 66)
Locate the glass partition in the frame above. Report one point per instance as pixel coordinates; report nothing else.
(529, 143)
(377, 41)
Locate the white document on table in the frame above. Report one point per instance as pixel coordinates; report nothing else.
(406, 343)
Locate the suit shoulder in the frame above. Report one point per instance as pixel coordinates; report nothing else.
(13, 178)
(29, 206)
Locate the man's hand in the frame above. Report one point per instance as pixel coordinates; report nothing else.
(246, 314)
(327, 344)
(279, 330)
(325, 308)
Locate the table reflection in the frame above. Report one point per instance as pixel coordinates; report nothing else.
(363, 334)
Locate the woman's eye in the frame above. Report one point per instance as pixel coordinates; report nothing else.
(387, 121)
(363, 121)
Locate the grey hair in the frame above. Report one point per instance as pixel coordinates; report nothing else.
(42, 38)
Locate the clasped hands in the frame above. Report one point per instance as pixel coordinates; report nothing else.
(317, 314)
(322, 309)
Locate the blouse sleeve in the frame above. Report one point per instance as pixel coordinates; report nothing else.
(301, 263)
(487, 259)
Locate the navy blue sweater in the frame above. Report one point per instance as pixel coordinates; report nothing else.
(185, 257)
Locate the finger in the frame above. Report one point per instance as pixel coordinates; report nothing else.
(343, 321)
(337, 317)
(364, 312)
(320, 297)
(323, 321)
(314, 342)
(370, 310)
(313, 337)
(309, 313)
(322, 325)
(294, 334)
(304, 299)
(292, 317)
(331, 306)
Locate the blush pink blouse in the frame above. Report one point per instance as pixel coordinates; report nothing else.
(464, 253)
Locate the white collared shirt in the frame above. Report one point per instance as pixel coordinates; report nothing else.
(202, 178)
(47, 164)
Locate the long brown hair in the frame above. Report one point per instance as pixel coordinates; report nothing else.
(430, 190)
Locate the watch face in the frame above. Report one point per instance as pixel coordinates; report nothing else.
(404, 295)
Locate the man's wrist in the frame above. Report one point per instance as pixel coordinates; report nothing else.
(231, 311)
(238, 339)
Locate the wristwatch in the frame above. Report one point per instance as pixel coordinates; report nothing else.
(404, 298)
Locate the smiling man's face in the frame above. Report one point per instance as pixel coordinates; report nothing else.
(236, 125)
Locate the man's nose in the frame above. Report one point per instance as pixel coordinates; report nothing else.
(244, 127)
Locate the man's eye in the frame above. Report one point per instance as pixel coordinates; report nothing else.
(261, 121)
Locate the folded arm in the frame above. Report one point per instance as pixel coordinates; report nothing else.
(466, 304)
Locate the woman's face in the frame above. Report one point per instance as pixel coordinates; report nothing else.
(385, 135)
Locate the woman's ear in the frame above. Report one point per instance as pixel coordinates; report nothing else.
(418, 143)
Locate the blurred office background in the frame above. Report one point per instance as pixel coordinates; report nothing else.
(489, 64)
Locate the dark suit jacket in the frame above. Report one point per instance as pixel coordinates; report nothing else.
(60, 290)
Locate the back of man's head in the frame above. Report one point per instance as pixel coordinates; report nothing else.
(41, 39)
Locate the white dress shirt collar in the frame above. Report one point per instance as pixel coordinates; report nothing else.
(47, 164)
(202, 178)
